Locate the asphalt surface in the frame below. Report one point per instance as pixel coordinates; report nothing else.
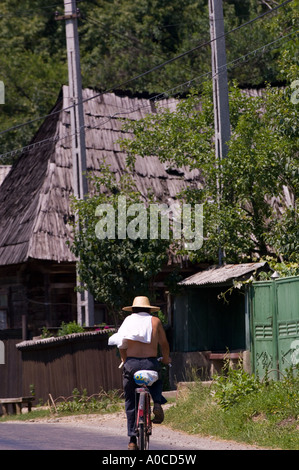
(107, 432)
(100, 435)
(36, 436)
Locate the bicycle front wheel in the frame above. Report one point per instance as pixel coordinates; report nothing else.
(143, 437)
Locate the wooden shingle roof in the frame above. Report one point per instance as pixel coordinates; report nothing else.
(35, 195)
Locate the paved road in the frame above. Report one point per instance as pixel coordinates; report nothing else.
(36, 436)
(31, 436)
(61, 436)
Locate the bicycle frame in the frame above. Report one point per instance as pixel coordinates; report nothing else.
(143, 422)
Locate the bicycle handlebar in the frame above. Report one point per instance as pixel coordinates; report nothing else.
(160, 359)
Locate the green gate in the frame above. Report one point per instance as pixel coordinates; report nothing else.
(275, 325)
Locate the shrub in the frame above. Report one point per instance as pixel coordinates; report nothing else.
(230, 388)
(65, 329)
(82, 403)
(69, 328)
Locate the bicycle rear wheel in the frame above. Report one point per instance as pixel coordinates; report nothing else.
(143, 420)
(143, 437)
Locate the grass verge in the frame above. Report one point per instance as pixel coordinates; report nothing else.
(77, 404)
(238, 407)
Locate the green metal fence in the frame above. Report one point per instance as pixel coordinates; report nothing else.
(275, 325)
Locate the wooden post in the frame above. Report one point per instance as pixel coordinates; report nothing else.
(24, 328)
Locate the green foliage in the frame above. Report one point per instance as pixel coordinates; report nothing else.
(263, 154)
(114, 269)
(283, 268)
(82, 403)
(235, 384)
(238, 407)
(279, 399)
(32, 68)
(69, 328)
(262, 161)
(64, 329)
(154, 32)
(46, 333)
(116, 48)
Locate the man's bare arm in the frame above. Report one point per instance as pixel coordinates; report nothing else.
(163, 344)
(123, 354)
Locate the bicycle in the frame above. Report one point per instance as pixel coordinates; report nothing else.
(143, 420)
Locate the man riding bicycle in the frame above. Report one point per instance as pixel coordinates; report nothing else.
(137, 339)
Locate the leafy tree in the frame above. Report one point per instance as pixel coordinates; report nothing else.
(262, 160)
(116, 48)
(156, 31)
(33, 68)
(115, 270)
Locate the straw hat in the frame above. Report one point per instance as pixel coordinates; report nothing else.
(141, 302)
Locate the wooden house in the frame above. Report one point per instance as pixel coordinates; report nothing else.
(37, 268)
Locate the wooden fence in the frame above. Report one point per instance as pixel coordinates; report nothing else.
(11, 365)
(58, 365)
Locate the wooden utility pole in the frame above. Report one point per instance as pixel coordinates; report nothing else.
(85, 304)
(220, 89)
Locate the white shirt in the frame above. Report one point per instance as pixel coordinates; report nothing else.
(136, 327)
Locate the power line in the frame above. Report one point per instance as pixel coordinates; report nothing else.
(169, 61)
(158, 96)
(153, 69)
(154, 98)
(188, 83)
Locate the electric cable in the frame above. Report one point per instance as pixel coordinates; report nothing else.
(129, 111)
(189, 82)
(183, 54)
